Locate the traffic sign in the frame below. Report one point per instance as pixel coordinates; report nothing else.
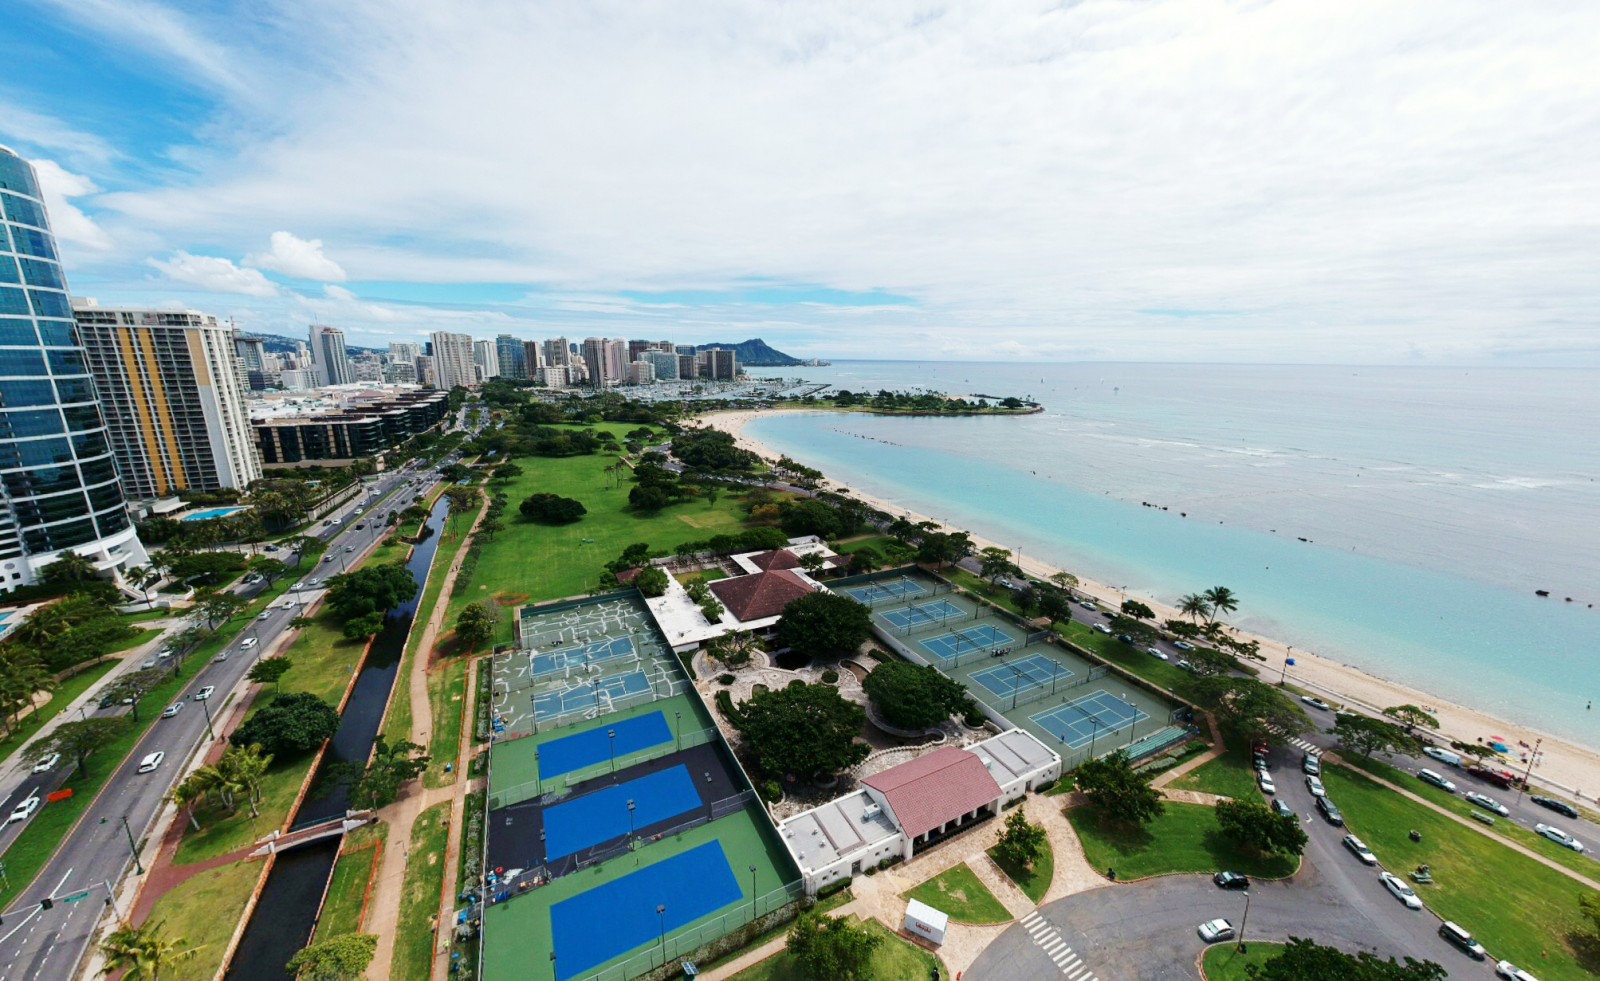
(80, 894)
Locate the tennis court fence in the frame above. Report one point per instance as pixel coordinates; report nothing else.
(1063, 685)
(591, 857)
(555, 788)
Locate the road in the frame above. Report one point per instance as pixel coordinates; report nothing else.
(1146, 930)
(39, 943)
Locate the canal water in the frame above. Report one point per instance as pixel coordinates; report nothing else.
(286, 912)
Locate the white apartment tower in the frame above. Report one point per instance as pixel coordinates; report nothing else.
(328, 354)
(452, 360)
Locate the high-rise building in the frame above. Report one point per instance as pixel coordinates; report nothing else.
(404, 350)
(636, 348)
(665, 364)
(403, 372)
(719, 364)
(688, 366)
(366, 368)
(452, 360)
(426, 375)
(327, 353)
(556, 375)
(533, 358)
(616, 361)
(486, 355)
(641, 373)
(557, 352)
(61, 489)
(513, 356)
(252, 351)
(594, 359)
(173, 405)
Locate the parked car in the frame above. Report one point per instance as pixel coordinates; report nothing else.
(24, 810)
(1101, 628)
(1087, 605)
(1559, 837)
(1281, 809)
(1511, 972)
(1400, 891)
(148, 663)
(1443, 755)
(205, 693)
(1487, 803)
(1559, 806)
(1314, 784)
(1156, 652)
(1231, 880)
(1360, 850)
(172, 710)
(1330, 813)
(47, 764)
(1264, 781)
(1316, 703)
(1462, 940)
(1260, 761)
(1428, 776)
(1214, 931)
(1311, 763)
(1504, 779)
(1183, 645)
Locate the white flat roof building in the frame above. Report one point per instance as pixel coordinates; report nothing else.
(841, 839)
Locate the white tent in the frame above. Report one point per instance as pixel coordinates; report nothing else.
(925, 921)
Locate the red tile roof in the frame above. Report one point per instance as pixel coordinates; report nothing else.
(935, 788)
(761, 594)
(779, 559)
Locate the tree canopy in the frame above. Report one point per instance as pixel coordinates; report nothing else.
(476, 624)
(1257, 828)
(269, 670)
(832, 948)
(805, 730)
(911, 696)
(1121, 794)
(1306, 960)
(370, 589)
(1021, 842)
(335, 959)
(1251, 708)
(824, 624)
(552, 509)
(79, 739)
(292, 724)
(1367, 735)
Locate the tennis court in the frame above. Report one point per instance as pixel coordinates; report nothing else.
(562, 756)
(1024, 674)
(891, 589)
(921, 615)
(1090, 717)
(948, 647)
(611, 919)
(557, 662)
(602, 691)
(617, 811)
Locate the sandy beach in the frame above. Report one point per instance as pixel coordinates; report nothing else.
(1560, 764)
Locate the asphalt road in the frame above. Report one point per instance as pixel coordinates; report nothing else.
(39, 943)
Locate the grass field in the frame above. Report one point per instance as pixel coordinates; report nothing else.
(420, 892)
(1035, 881)
(893, 960)
(447, 695)
(203, 911)
(347, 890)
(1185, 838)
(1223, 962)
(139, 636)
(1517, 908)
(1229, 775)
(59, 700)
(958, 892)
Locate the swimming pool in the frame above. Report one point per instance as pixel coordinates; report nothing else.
(210, 513)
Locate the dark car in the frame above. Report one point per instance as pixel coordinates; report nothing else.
(1282, 809)
(1559, 806)
(1231, 880)
(1260, 761)
(1329, 812)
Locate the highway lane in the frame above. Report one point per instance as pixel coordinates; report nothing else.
(38, 943)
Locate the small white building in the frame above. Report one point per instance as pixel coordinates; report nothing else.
(1019, 762)
(925, 921)
(841, 839)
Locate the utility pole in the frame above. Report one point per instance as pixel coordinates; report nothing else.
(1529, 771)
(132, 848)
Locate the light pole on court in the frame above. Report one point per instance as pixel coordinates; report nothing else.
(677, 730)
(553, 976)
(752, 893)
(631, 828)
(1017, 688)
(1093, 734)
(612, 733)
(661, 914)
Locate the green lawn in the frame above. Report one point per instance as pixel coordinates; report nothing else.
(139, 636)
(1517, 908)
(347, 890)
(1035, 881)
(1223, 962)
(420, 893)
(59, 700)
(143, 616)
(1230, 775)
(447, 695)
(884, 545)
(958, 892)
(203, 911)
(894, 959)
(1185, 838)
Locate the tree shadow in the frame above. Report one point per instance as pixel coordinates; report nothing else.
(1586, 948)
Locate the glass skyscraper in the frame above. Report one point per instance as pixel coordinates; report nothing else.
(58, 484)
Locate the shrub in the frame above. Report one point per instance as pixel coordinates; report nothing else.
(771, 791)
(830, 677)
(550, 509)
(724, 679)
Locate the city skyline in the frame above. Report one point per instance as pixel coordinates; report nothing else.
(1156, 182)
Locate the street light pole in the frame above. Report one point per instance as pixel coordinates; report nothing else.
(132, 848)
(1244, 922)
(205, 706)
(553, 976)
(1526, 774)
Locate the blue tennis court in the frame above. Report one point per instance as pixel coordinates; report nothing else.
(915, 616)
(1082, 720)
(893, 589)
(561, 756)
(611, 919)
(1023, 674)
(952, 645)
(587, 695)
(555, 662)
(586, 821)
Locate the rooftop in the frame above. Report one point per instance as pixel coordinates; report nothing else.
(762, 594)
(935, 788)
(1013, 754)
(840, 828)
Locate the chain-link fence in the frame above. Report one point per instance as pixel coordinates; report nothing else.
(558, 787)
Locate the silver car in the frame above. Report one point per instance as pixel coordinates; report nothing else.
(1487, 803)
(1401, 891)
(1559, 837)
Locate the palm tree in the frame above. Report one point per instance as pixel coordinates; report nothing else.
(1221, 600)
(143, 952)
(187, 796)
(1194, 606)
(69, 566)
(248, 765)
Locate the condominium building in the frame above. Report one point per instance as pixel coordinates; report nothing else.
(486, 355)
(174, 408)
(252, 351)
(689, 366)
(61, 489)
(404, 351)
(718, 363)
(327, 434)
(664, 363)
(426, 375)
(556, 375)
(641, 373)
(556, 351)
(403, 372)
(512, 355)
(452, 360)
(533, 358)
(366, 368)
(328, 354)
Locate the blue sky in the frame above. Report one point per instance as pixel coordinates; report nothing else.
(1202, 181)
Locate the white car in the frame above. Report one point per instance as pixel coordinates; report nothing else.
(313, 583)
(24, 810)
(205, 693)
(1264, 780)
(1360, 850)
(1183, 645)
(172, 710)
(247, 643)
(1487, 803)
(1212, 931)
(1314, 784)
(1506, 969)
(1401, 891)
(47, 764)
(1316, 703)
(221, 656)
(1155, 652)
(1102, 628)
(265, 615)
(1559, 837)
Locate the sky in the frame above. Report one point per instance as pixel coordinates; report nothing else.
(1351, 182)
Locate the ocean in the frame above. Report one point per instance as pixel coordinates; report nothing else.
(1398, 519)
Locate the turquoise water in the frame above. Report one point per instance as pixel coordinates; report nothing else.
(210, 513)
(1433, 502)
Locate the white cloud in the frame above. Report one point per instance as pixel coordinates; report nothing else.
(68, 221)
(213, 274)
(297, 257)
(23, 125)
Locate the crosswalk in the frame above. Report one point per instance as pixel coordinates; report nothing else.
(1048, 940)
(1299, 743)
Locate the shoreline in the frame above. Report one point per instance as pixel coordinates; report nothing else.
(1562, 764)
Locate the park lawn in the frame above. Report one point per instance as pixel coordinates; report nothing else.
(156, 613)
(958, 892)
(1229, 775)
(346, 902)
(1132, 659)
(1035, 881)
(63, 696)
(702, 575)
(882, 544)
(1184, 838)
(447, 694)
(894, 959)
(420, 894)
(203, 911)
(1504, 827)
(138, 636)
(1223, 962)
(1518, 909)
